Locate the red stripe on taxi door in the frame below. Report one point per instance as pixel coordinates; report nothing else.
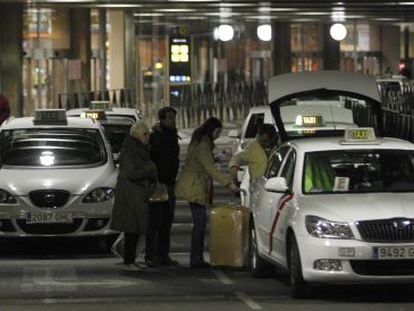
(280, 206)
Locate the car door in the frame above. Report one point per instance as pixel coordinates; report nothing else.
(282, 209)
(262, 201)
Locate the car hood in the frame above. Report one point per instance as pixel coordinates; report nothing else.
(76, 181)
(358, 207)
(291, 83)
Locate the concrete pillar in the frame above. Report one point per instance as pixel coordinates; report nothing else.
(406, 46)
(130, 51)
(102, 47)
(331, 52)
(390, 48)
(80, 42)
(116, 38)
(282, 54)
(11, 55)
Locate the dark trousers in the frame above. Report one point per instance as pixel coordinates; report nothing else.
(161, 217)
(130, 248)
(199, 213)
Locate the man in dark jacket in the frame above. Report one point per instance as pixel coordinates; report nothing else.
(165, 152)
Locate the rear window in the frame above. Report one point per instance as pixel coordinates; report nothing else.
(116, 133)
(46, 147)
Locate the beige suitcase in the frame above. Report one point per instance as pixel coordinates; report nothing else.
(229, 234)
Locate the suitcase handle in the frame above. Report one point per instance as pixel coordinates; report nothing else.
(237, 194)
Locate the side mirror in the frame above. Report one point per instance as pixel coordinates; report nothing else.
(277, 184)
(234, 134)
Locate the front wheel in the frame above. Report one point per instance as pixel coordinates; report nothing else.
(258, 266)
(298, 285)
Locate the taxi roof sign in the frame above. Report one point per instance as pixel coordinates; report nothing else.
(100, 105)
(94, 114)
(309, 120)
(359, 135)
(50, 117)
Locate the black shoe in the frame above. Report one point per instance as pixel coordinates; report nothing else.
(200, 265)
(152, 263)
(169, 262)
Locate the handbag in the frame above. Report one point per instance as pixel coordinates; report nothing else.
(159, 194)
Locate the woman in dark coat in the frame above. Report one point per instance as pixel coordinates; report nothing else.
(136, 175)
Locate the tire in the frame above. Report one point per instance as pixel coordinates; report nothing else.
(258, 266)
(299, 287)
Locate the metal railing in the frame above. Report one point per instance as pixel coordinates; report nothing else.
(118, 97)
(398, 112)
(231, 102)
(228, 102)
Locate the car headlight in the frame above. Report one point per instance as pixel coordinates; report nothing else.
(99, 195)
(6, 198)
(323, 228)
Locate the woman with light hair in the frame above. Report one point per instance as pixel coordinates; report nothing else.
(136, 175)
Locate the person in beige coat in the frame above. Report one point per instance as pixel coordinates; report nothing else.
(255, 156)
(195, 183)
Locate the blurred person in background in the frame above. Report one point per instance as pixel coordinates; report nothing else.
(4, 108)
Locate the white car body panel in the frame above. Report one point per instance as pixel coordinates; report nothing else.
(287, 84)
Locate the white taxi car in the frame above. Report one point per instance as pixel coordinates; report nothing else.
(112, 113)
(57, 177)
(335, 209)
(115, 120)
(321, 112)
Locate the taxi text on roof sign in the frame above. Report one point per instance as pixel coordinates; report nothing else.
(50, 117)
(100, 105)
(309, 120)
(94, 114)
(359, 135)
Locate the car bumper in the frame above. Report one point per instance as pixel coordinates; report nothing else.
(73, 219)
(357, 261)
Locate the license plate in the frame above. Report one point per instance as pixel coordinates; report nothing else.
(393, 252)
(46, 218)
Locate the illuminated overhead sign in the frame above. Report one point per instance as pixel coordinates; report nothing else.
(180, 59)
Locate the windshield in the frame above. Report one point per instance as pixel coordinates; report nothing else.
(45, 147)
(358, 171)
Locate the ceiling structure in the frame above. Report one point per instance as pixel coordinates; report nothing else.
(171, 13)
